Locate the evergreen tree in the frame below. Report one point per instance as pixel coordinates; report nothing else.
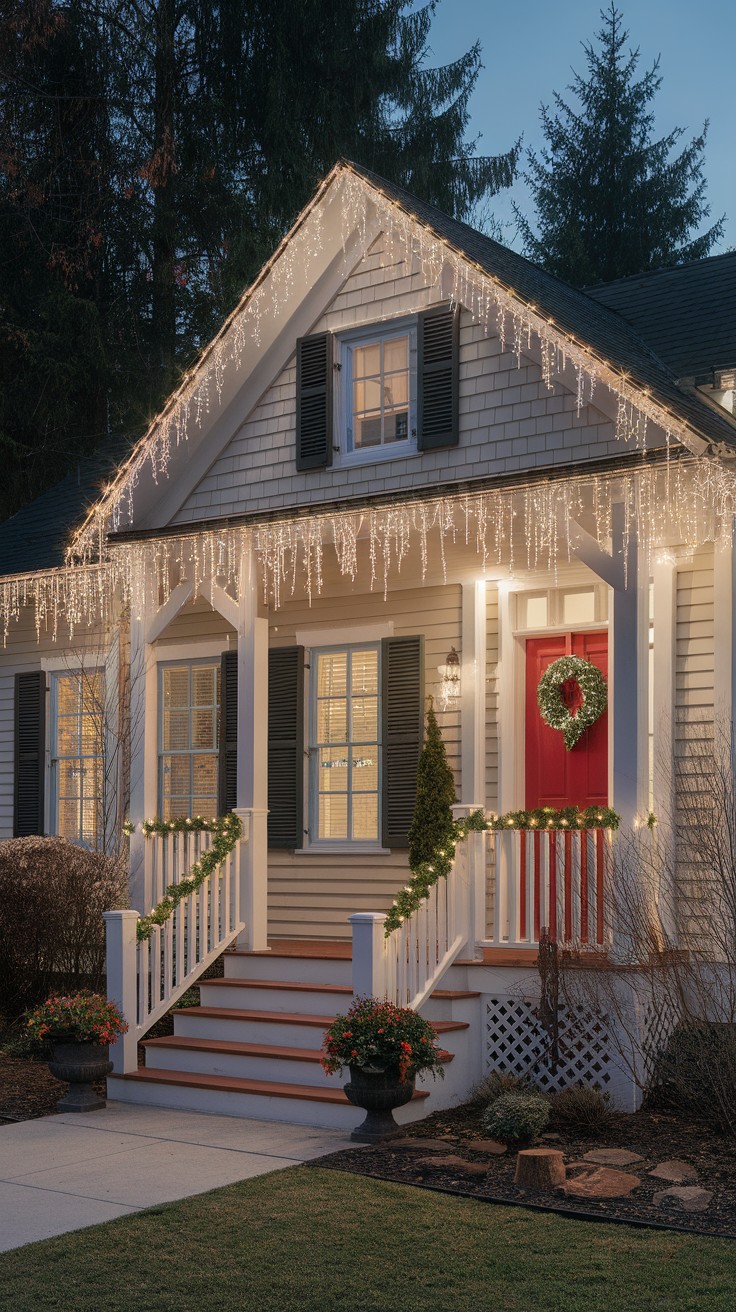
(431, 824)
(610, 199)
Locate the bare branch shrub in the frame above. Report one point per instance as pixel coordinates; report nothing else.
(669, 987)
(52, 935)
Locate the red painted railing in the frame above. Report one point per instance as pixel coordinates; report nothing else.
(554, 880)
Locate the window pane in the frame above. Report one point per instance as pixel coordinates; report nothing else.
(204, 775)
(67, 736)
(203, 685)
(365, 816)
(396, 354)
(176, 776)
(366, 360)
(176, 731)
(176, 686)
(333, 770)
(396, 392)
(365, 772)
(368, 431)
(397, 426)
(364, 671)
(67, 694)
(332, 674)
(333, 815)
(365, 719)
(204, 729)
(332, 720)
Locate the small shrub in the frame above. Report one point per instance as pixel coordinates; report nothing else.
(517, 1117)
(493, 1086)
(52, 935)
(586, 1110)
(695, 1075)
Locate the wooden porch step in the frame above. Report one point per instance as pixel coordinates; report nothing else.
(320, 949)
(294, 1018)
(230, 1084)
(292, 986)
(266, 1050)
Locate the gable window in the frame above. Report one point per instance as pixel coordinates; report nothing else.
(189, 712)
(345, 748)
(77, 756)
(377, 416)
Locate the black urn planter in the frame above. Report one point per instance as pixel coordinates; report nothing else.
(81, 1065)
(378, 1092)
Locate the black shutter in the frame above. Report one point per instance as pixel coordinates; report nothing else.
(438, 359)
(402, 710)
(30, 749)
(227, 765)
(286, 747)
(314, 425)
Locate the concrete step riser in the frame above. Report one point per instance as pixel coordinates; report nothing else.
(281, 1070)
(298, 1111)
(290, 1035)
(299, 970)
(313, 1003)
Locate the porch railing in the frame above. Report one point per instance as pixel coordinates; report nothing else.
(407, 966)
(553, 879)
(146, 978)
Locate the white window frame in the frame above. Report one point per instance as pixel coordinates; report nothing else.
(55, 674)
(338, 845)
(161, 666)
(345, 452)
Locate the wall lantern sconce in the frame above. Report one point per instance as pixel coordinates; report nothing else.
(450, 676)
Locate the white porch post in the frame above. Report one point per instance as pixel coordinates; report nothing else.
(142, 742)
(724, 583)
(473, 745)
(664, 575)
(122, 978)
(629, 679)
(252, 765)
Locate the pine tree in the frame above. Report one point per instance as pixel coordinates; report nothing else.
(610, 199)
(431, 825)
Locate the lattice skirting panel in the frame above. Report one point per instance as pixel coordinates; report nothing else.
(588, 1052)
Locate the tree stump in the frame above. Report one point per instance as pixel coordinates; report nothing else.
(540, 1168)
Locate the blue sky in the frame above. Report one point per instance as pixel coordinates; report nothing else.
(530, 48)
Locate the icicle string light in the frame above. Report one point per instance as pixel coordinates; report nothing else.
(687, 502)
(348, 202)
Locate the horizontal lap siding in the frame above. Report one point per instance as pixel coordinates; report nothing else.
(694, 710)
(312, 896)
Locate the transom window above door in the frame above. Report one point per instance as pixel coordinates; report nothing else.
(189, 714)
(377, 411)
(345, 745)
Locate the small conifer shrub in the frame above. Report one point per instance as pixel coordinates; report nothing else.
(432, 825)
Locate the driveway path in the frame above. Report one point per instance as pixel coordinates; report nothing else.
(61, 1173)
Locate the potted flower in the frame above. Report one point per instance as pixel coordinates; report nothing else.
(79, 1028)
(385, 1048)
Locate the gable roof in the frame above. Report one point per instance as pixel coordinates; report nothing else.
(34, 539)
(687, 314)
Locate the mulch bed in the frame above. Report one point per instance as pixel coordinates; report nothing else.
(657, 1137)
(27, 1089)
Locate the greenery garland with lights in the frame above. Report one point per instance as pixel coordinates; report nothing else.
(226, 831)
(553, 709)
(427, 873)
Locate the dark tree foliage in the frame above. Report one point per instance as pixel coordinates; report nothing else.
(611, 200)
(152, 155)
(431, 825)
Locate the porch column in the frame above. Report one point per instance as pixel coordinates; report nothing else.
(142, 729)
(252, 762)
(473, 745)
(664, 575)
(629, 678)
(724, 583)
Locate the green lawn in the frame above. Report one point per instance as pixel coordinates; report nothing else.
(310, 1240)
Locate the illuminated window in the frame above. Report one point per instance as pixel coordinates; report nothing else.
(77, 756)
(345, 751)
(378, 407)
(189, 714)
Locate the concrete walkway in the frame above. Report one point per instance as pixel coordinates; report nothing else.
(61, 1173)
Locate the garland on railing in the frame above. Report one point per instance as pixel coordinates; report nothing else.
(425, 875)
(226, 830)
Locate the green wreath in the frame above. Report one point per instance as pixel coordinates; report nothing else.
(556, 713)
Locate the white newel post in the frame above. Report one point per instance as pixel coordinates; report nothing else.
(663, 729)
(143, 694)
(369, 954)
(122, 984)
(252, 765)
(629, 680)
(473, 747)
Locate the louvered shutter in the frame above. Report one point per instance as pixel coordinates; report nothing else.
(402, 711)
(227, 766)
(286, 747)
(30, 748)
(314, 401)
(438, 374)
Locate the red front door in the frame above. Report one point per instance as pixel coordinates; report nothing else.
(554, 775)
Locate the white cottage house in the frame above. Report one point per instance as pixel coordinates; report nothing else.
(406, 444)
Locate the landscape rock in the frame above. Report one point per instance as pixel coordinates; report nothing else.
(486, 1146)
(599, 1182)
(424, 1145)
(675, 1171)
(612, 1157)
(688, 1199)
(456, 1165)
